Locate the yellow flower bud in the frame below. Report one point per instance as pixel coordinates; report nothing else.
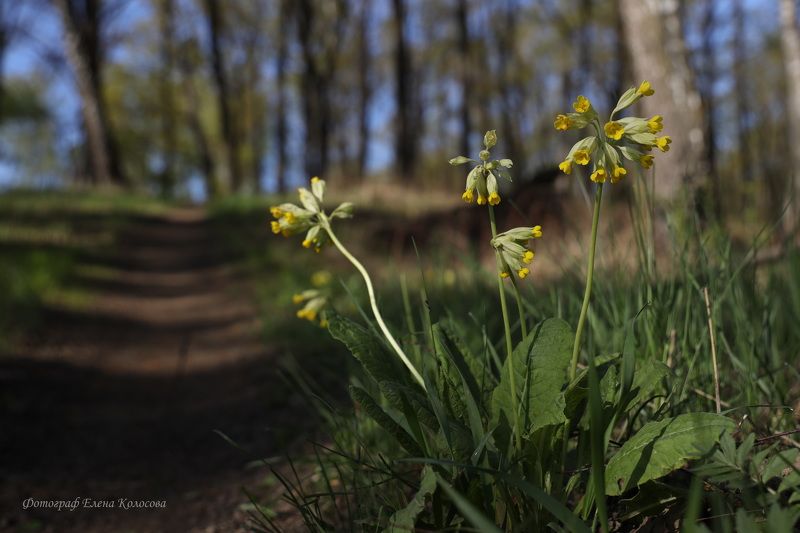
(307, 243)
(468, 196)
(494, 198)
(297, 298)
(536, 231)
(598, 176)
(614, 130)
(581, 157)
(562, 122)
(565, 167)
(582, 104)
(481, 199)
(276, 211)
(645, 89)
(523, 272)
(655, 124)
(504, 275)
(663, 143)
(527, 257)
(646, 161)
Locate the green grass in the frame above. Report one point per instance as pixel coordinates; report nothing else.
(361, 476)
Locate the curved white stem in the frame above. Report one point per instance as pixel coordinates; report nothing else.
(374, 304)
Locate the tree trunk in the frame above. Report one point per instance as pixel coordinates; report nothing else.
(462, 20)
(790, 44)
(658, 54)
(280, 123)
(406, 136)
(311, 90)
(741, 89)
(709, 78)
(83, 51)
(167, 23)
(229, 137)
(364, 89)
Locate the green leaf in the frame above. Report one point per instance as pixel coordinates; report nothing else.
(540, 371)
(469, 511)
(460, 160)
(381, 365)
(662, 446)
(647, 379)
(385, 421)
(406, 518)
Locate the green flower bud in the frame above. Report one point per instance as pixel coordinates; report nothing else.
(490, 139)
(484, 155)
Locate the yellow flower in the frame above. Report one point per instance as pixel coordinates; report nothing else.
(523, 272)
(276, 211)
(655, 124)
(562, 122)
(307, 243)
(598, 176)
(527, 257)
(315, 179)
(494, 198)
(618, 174)
(297, 298)
(582, 104)
(565, 167)
(467, 196)
(481, 199)
(289, 217)
(504, 275)
(663, 143)
(276, 227)
(536, 231)
(614, 130)
(645, 89)
(581, 157)
(646, 161)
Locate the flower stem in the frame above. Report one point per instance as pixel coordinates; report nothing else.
(374, 304)
(523, 323)
(507, 326)
(587, 294)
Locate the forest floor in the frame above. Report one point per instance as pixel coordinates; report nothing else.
(119, 394)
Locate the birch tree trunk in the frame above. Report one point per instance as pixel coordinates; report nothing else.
(658, 54)
(97, 138)
(790, 44)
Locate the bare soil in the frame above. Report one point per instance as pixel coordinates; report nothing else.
(119, 394)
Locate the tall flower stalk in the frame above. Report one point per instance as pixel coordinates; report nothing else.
(292, 219)
(512, 254)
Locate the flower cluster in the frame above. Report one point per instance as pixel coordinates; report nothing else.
(314, 303)
(513, 248)
(482, 179)
(628, 138)
(291, 219)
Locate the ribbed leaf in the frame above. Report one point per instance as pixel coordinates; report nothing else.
(540, 370)
(405, 519)
(385, 421)
(662, 446)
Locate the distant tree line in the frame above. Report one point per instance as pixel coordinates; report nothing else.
(228, 93)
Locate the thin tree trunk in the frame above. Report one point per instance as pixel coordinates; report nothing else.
(280, 124)
(82, 49)
(364, 89)
(169, 141)
(229, 137)
(658, 54)
(311, 87)
(790, 44)
(709, 77)
(462, 20)
(405, 142)
(742, 103)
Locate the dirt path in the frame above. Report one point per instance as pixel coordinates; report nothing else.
(119, 395)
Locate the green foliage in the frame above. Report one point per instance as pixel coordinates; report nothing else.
(661, 446)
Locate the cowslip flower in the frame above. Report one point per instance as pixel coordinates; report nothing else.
(515, 251)
(293, 219)
(616, 140)
(482, 186)
(314, 303)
